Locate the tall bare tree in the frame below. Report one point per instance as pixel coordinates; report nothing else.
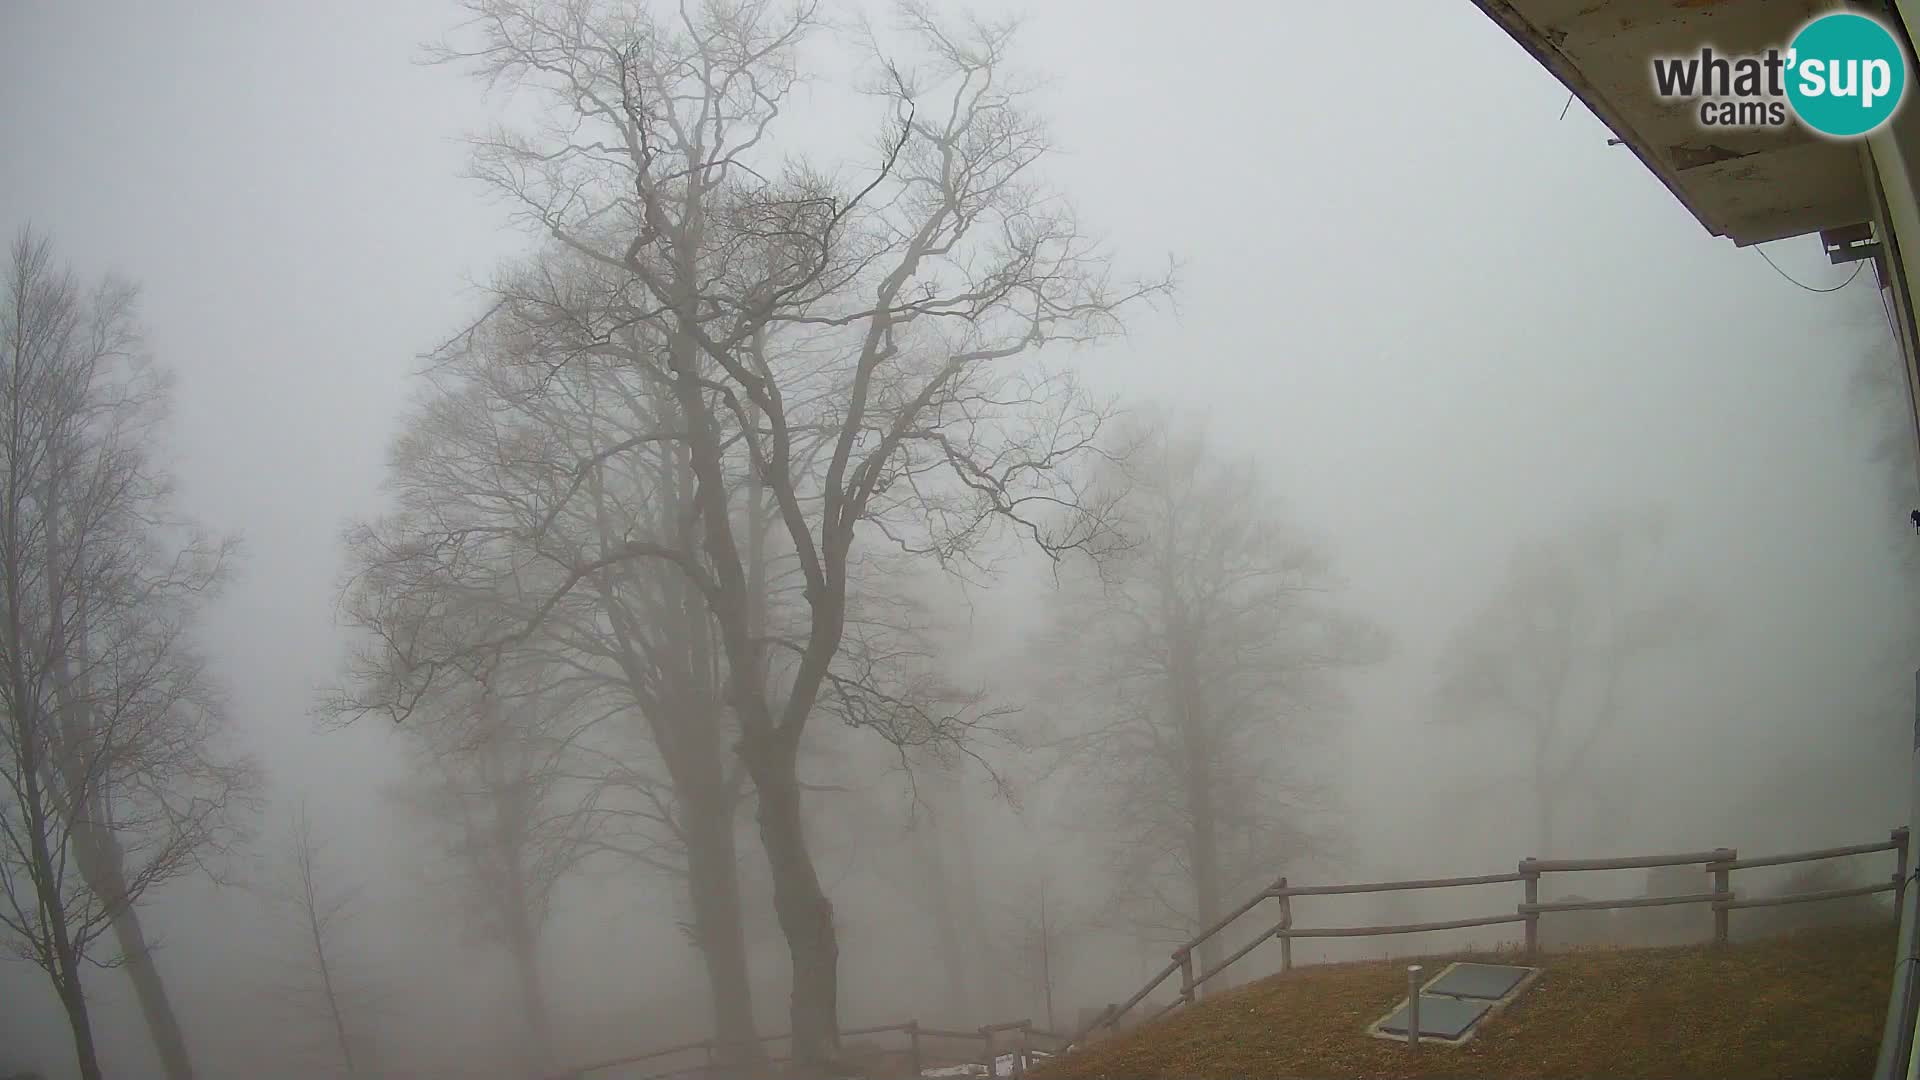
(779, 301)
(115, 772)
(946, 874)
(1555, 650)
(1205, 649)
(321, 911)
(479, 528)
(1044, 924)
(499, 779)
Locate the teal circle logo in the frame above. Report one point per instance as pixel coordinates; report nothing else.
(1846, 74)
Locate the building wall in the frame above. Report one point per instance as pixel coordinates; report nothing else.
(1893, 158)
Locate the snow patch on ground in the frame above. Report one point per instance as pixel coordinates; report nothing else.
(1002, 1066)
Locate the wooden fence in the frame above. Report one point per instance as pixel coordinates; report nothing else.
(1019, 1040)
(1721, 863)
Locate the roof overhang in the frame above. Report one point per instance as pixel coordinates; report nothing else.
(1751, 186)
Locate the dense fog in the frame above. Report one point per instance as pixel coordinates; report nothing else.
(1028, 487)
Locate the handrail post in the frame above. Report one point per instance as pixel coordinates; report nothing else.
(913, 1047)
(1286, 923)
(1899, 841)
(1722, 884)
(1533, 897)
(1185, 955)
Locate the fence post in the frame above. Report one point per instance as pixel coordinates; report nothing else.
(1899, 874)
(1722, 884)
(1020, 1052)
(1533, 897)
(913, 1047)
(1286, 923)
(1185, 956)
(986, 1035)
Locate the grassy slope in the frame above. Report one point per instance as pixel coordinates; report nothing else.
(1807, 1005)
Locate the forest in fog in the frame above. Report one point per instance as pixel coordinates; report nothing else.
(536, 530)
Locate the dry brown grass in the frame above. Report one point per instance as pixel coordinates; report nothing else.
(1808, 1005)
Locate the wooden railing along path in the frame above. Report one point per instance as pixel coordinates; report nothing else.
(1720, 862)
(1018, 1039)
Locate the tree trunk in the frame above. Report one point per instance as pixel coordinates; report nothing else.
(954, 957)
(970, 920)
(30, 743)
(523, 949)
(942, 884)
(1203, 844)
(533, 999)
(806, 919)
(507, 787)
(1046, 956)
(97, 855)
(333, 1006)
(1205, 854)
(66, 958)
(74, 999)
(63, 966)
(801, 906)
(101, 863)
(769, 751)
(713, 885)
(686, 717)
(713, 869)
(1543, 802)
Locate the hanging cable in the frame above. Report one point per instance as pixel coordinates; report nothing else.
(1809, 288)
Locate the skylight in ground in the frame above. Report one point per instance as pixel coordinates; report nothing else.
(1440, 1017)
(1486, 982)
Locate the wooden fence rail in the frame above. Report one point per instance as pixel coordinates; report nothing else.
(1393, 886)
(1402, 928)
(1024, 1035)
(1720, 863)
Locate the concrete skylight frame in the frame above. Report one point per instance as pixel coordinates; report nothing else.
(1494, 1006)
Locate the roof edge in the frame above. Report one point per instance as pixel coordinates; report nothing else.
(1529, 38)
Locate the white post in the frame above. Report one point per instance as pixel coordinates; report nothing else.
(1413, 1006)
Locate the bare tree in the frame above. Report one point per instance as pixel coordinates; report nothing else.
(320, 911)
(1204, 649)
(486, 472)
(498, 778)
(1044, 925)
(116, 777)
(480, 530)
(773, 302)
(947, 874)
(1555, 649)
